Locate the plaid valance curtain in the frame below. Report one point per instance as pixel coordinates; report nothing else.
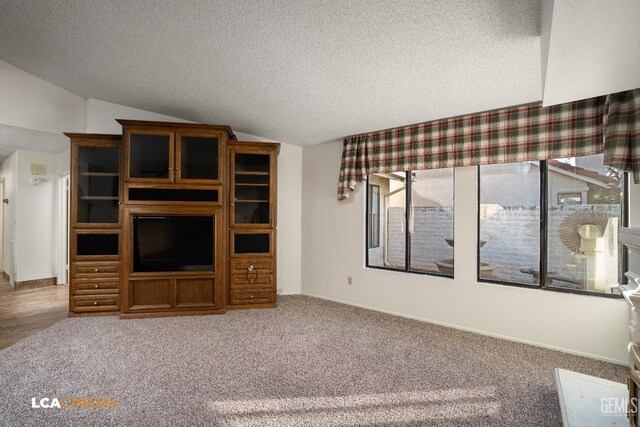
(622, 132)
(516, 134)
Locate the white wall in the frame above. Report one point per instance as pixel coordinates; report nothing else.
(32, 103)
(36, 218)
(9, 171)
(64, 161)
(100, 118)
(30, 218)
(333, 236)
(589, 48)
(290, 219)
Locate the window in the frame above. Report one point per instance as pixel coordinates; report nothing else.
(552, 224)
(414, 221)
(374, 216)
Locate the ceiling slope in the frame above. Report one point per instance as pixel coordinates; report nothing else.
(589, 48)
(15, 138)
(302, 72)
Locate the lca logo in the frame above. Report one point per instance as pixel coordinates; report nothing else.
(75, 403)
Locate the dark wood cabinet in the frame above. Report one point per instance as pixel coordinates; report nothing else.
(252, 224)
(95, 180)
(173, 260)
(172, 219)
(174, 153)
(94, 240)
(252, 185)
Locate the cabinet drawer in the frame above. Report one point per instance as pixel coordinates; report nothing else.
(89, 303)
(95, 269)
(98, 286)
(241, 282)
(251, 297)
(241, 266)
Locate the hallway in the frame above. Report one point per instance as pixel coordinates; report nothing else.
(25, 312)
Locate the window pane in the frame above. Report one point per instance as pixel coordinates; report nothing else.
(431, 224)
(510, 222)
(374, 216)
(391, 222)
(584, 213)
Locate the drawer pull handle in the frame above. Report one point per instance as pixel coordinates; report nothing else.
(95, 269)
(95, 303)
(251, 296)
(252, 269)
(97, 286)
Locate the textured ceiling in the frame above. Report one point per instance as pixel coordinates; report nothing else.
(14, 138)
(302, 72)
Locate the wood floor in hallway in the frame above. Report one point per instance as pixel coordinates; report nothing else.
(25, 312)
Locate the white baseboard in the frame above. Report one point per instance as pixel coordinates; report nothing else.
(477, 331)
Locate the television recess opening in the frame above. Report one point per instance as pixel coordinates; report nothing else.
(173, 243)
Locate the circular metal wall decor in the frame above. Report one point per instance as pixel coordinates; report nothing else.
(569, 227)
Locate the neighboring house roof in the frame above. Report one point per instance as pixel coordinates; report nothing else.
(583, 174)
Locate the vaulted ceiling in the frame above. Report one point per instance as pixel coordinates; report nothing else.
(13, 138)
(302, 72)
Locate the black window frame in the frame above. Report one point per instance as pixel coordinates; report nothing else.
(544, 213)
(407, 234)
(373, 238)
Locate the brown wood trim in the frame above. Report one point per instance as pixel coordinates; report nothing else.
(169, 186)
(176, 126)
(6, 276)
(36, 283)
(171, 313)
(256, 145)
(93, 136)
(252, 306)
(93, 314)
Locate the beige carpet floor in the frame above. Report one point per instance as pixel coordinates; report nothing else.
(308, 362)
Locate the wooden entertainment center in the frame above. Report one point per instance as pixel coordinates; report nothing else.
(171, 219)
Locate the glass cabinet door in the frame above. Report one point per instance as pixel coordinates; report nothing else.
(197, 157)
(98, 185)
(251, 192)
(150, 156)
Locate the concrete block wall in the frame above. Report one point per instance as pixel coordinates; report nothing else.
(512, 234)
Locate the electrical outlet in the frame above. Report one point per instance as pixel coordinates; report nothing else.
(349, 280)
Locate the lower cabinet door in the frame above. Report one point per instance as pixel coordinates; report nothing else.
(196, 292)
(149, 294)
(163, 294)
